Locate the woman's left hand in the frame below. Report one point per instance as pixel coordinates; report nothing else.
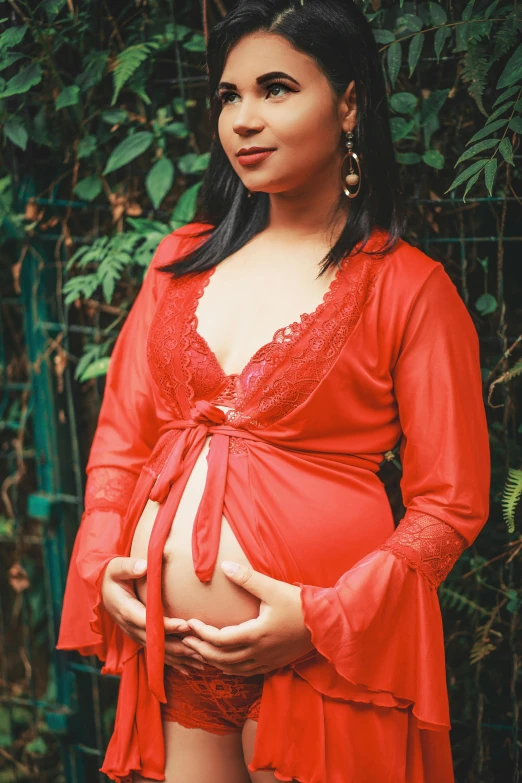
(275, 638)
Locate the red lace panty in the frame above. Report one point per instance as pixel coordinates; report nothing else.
(211, 700)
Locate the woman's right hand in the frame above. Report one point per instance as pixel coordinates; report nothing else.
(120, 601)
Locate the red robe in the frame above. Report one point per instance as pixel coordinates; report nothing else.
(391, 350)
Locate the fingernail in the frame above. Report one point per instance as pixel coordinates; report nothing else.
(140, 565)
(197, 666)
(228, 567)
(198, 657)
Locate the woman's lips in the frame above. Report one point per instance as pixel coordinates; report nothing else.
(254, 157)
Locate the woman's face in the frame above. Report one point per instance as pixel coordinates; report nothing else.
(297, 115)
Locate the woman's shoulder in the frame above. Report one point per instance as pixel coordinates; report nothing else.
(408, 268)
(179, 241)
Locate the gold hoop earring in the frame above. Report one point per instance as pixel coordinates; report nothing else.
(352, 177)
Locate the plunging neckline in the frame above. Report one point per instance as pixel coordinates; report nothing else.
(292, 329)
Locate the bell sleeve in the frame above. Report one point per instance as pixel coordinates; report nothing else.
(125, 435)
(380, 625)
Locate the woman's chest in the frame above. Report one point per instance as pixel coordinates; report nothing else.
(251, 341)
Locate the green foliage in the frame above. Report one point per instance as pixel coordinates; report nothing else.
(512, 494)
(111, 111)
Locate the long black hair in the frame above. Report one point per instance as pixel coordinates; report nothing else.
(339, 38)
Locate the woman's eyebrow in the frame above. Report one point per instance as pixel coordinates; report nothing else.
(260, 80)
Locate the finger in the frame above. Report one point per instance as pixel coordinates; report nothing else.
(216, 655)
(245, 669)
(175, 625)
(228, 636)
(124, 568)
(133, 611)
(182, 669)
(260, 585)
(177, 660)
(176, 647)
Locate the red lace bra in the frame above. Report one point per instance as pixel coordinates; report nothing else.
(281, 374)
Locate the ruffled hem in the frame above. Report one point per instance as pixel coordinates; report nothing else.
(386, 650)
(307, 736)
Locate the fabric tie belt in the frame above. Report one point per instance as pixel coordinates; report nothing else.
(206, 419)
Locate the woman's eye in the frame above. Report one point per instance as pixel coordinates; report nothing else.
(225, 95)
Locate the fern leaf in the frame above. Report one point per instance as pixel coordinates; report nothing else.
(474, 73)
(127, 63)
(506, 36)
(511, 496)
(455, 600)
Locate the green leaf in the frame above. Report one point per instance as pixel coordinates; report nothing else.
(129, 149)
(115, 116)
(394, 58)
(16, 132)
(178, 129)
(89, 188)
(86, 147)
(9, 59)
(466, 14)
(69, 96)
(476, 148)
(94, 65)
(499, 111)
(507, 94)
(513, 70)
(486, 304)
(487, 130)
(23, 80)
(159, 180)
(441, 36)
(414, 51)
(506, 150)
(403, 102)
(195, 44)
(383, 36)
(407, 158)
(516, 124)
(409, 22)
(467, 173)
(438, 14)
(12, 37)
(53, 7)
(400, 127)
(96, 369)
(127, 63)
(185, 208)
(489, 174)
(434, 159)
(191, 163)
(470, 184)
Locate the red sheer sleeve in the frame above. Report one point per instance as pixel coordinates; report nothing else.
(125, 436)
(380, 624)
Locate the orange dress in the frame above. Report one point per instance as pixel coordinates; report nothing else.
(391, 351)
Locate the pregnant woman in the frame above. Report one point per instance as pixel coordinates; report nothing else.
(281, 345)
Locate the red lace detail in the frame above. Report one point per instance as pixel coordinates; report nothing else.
(282, 373)
(109, 489)
(211, 700)
(428, 544)
(237, 446)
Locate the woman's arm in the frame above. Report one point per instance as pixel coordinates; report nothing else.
(126, 433)
(380, 625)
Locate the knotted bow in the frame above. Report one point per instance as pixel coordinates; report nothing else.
(206, 419)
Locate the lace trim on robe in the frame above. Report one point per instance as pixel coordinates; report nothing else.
(282, 373)
(109, 489)
(428, 544)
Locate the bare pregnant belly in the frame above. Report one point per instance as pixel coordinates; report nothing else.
(218, 602)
